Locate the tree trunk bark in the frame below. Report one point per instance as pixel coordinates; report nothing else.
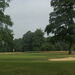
(70, 51)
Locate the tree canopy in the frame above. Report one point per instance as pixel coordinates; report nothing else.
(6, 34)
(61, 21)
(4, 19)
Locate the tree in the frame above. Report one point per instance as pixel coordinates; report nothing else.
(18, 45)
(38, 40)
(32, 41)
(6, 36)
(27, 41)
(6, 39)
(4, 19)
(52, 45)
(61, 21)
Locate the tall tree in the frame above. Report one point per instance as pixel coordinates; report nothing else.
(6, 40)
(61, 21)
(5, 21)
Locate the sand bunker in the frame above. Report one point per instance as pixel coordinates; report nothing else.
(63, 59)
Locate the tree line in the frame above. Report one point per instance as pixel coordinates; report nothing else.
(36, 41)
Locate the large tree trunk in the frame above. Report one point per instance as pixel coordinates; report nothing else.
(70, 51)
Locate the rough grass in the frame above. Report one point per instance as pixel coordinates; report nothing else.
(35, 64)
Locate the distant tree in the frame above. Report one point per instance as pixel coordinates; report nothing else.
(18, 45)
(61, 21)
(38, 40)
(52, 45)
(27, 41)
(32, 41)
(47, 47)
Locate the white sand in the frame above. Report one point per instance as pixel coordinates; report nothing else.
(63, 59)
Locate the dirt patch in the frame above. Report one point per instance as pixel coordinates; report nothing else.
(63, 59)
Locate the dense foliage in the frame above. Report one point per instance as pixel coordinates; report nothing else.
(35, 41)
(6, 34)
(61, 21)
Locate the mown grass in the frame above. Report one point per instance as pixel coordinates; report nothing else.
(35, 64)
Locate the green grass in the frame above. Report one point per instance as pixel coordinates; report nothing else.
(35, 64)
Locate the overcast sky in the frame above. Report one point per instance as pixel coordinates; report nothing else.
(28, 15)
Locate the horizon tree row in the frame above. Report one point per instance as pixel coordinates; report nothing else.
(36, 41)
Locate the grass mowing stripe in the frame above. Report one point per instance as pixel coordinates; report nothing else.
(35, 64)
